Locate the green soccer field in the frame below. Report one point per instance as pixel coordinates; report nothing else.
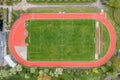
(61, 40)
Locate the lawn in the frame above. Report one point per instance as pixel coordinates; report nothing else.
(61, 40)
(10, 2)
(64, 9)
(104, 40)
(117, 21)
(117, 16)
(1, 2)
(59, 1)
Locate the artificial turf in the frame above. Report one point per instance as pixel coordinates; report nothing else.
(61, 40)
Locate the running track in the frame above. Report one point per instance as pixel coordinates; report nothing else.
(19, 33)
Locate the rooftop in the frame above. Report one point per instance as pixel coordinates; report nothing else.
(2, 46)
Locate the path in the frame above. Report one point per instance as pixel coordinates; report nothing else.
(24, 5)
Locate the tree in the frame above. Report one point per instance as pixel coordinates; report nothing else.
(95, 70)
(113, 3)
(44, 77)
(116, 63)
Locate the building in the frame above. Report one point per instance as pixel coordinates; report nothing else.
(10, 61)
(2, 47)
(4, 58)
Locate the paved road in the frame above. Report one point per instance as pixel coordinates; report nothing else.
(99, 4)
(24, 5)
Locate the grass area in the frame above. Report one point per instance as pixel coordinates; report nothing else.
(1, 2)
(16, 77)
(61, 40)
(117, 16)
(67, 10)
(10, 2)
(105, 40)
(117, 21)
(116, 27)
(60, 1)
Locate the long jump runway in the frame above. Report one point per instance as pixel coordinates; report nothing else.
(18, 35)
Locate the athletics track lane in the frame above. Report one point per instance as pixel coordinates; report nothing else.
(17, 38)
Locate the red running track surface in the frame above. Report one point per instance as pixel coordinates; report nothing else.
(19, 33)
